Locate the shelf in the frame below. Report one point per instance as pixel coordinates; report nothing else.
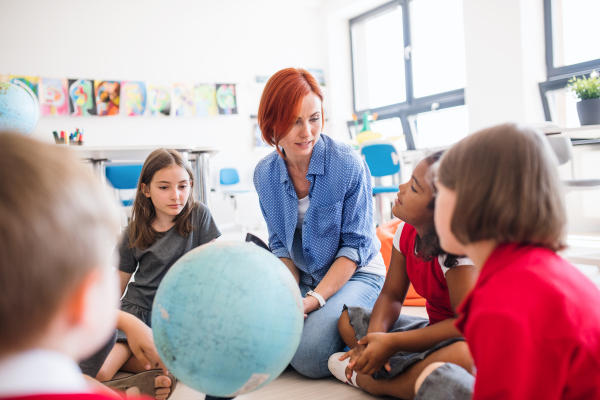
(581, 132)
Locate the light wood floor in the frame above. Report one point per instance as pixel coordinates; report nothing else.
(293, 386)
(290, 386)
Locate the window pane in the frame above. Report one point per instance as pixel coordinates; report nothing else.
(563, 108)
(575, 25)
(391, 129)
(378, 62)
(440, 128)
(438, 46)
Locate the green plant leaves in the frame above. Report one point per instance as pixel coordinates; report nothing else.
(585, 88)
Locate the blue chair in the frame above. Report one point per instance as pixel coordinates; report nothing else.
(383, 160)
(124, 177)
(230, 177)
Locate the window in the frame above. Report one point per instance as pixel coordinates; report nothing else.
(408, 64)
(437, 40)
(574, 27)
(441, 127)
(391, 129)
(379, 77)
(570, 27)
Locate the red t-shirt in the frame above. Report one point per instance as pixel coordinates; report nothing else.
(533, 326)
(427, 277)
(69, 396)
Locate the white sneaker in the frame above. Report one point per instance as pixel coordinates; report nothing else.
(338, 368)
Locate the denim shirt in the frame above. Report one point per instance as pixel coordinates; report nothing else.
(339, 220)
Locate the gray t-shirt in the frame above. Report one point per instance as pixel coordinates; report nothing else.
(156, 260)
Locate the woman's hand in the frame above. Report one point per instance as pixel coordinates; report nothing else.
(310, 304)
(371, 354)
(141, 341)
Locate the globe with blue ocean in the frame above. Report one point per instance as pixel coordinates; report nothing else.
(227, 318)
(19, 110)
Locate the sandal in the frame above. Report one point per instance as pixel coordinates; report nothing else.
(144, 381)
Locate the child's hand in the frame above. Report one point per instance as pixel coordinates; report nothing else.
(141, 343)
(354, 354)
(379, 349)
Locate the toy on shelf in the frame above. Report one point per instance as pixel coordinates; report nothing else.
(366, 133)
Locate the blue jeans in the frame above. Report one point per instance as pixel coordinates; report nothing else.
(320, 337)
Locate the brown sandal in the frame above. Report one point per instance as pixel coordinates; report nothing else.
(144, 381)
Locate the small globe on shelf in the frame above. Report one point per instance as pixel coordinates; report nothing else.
(19, 109)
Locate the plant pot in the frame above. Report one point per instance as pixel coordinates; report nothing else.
(588, 111)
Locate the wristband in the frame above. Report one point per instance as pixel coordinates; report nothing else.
(317, 296)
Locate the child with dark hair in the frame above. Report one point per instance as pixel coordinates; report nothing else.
(389, 350)
(532, 321)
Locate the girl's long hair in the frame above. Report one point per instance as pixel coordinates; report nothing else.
(430, 242)
(141, 233)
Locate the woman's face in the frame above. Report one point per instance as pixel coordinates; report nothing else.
(302, 138)
(413, 198)
(445, 203)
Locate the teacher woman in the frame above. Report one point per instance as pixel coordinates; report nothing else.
(315, 195)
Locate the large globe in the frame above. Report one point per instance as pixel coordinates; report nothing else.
(19, 109)
(227, 318)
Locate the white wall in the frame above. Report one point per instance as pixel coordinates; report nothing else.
(504, 46)
(229, 41)
(224, 41)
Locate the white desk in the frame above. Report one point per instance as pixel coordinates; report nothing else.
(197, 156)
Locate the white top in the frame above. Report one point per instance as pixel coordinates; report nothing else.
(376, 265)
(441, 257)
(40, 371)
(302, 207)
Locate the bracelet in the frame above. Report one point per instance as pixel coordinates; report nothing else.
(317, 296)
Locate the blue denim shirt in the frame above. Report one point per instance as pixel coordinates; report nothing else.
(339, 220)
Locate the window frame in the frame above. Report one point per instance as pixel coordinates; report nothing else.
(558, 77)
(411, 106)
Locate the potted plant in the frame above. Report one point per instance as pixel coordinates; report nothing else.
(587, 90)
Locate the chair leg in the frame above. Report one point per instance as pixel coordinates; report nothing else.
(381, 211)
(236, 222)
(378, 210)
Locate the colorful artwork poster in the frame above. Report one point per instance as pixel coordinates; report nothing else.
(159, 100)
(82, 101)
(29, 82)
(183, 100)
(206, 100)
(226, 99)
(108, 97)
(133, 98)
(53, 97)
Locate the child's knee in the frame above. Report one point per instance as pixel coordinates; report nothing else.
(461, 356)
(344, 322)
(104, 375)
(425, 373)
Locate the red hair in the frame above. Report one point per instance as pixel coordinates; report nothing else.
(281, 102)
